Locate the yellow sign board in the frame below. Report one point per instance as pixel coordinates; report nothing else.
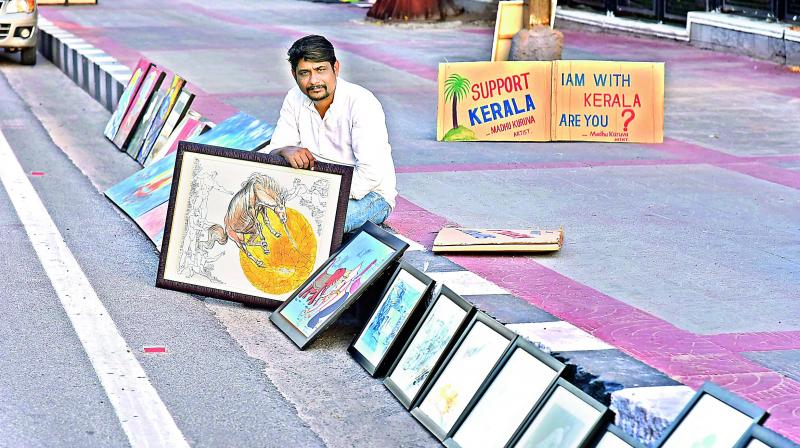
(543, 101)
(608, 101)
(494, 101)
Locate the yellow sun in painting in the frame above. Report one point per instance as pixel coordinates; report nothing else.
(287, 265)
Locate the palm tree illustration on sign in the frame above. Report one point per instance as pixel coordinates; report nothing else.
(456, 87)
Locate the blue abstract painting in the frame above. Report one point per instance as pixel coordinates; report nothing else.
(389, 317)
(240, 131)
(144, 190)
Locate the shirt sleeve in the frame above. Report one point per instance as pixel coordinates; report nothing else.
(371, 148)
(286, 132)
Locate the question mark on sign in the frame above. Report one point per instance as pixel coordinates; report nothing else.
(625, 125)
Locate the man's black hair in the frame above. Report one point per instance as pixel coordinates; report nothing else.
(312, 48)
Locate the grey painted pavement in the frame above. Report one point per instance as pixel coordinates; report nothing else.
(220, 390)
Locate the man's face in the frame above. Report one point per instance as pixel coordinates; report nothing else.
(316, 79)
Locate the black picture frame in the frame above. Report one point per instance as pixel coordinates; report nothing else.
(617, 432)
(766, 436)
(602, 417)
(405, 325)
(441, 432)
(344, 173)
(737, 403)
(443, 297)
(369, 231)
(531, 349)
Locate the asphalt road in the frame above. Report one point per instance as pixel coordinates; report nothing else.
(228, 378)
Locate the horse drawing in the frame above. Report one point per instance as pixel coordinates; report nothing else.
(258, 194)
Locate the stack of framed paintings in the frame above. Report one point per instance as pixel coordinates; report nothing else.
(127, 97)
(614, 437)
(714, 417)
(247, 227)
(162, 112)
(190, 125)
(151, 83)
(427, 346)
(760, 437)
(175, 117)
(337, 284)
(400, 305)
(519, 382)
(566, 418)
(476, 353)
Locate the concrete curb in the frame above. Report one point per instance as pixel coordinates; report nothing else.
(711, 30)
(99, 74)
(604, 372)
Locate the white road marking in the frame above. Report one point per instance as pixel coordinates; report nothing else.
(412, 245)
(466, 283)
(142, 414)
(558, 336)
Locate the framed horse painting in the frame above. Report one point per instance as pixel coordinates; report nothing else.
(246, 226)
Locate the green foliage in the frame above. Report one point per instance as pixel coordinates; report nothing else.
(456, 86)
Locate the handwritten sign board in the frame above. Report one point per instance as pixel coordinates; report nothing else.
(608, 101)
(494, 101)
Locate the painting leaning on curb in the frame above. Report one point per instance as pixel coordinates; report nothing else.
(247, 227)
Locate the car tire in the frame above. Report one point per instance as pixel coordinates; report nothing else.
(28, 56)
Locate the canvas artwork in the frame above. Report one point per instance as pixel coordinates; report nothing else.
(474, 358)
(240, 131)
(760, 437)
(611, 440)
(188, 127)
(757, 444)
(151, 83)
(175, 117)
(139, 133)
(341, 277)
(710, 424)
(246, 226)
(162, 111)
(516, 389)
(564, 421)
(427, 345)
(392, 312)
(125, 100)
(152, 223)
(144, 190)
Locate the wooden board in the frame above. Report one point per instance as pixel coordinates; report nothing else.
(509, 22)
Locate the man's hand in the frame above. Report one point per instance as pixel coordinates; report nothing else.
(296, 156)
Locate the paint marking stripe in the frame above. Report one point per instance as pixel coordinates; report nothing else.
(142, 414)
(466, 283)
(558, 336)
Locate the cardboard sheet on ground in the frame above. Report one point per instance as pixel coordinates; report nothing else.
(605, 101)
(494, 101)
(460, 239)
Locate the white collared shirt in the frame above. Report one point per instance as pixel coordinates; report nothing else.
(353, 133)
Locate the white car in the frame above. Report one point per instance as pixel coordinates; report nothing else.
(18, 28)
